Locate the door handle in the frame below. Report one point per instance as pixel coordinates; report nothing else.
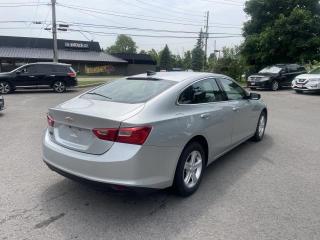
(205, 115)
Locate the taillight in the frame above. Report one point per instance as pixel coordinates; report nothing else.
(131, 135)
(109, 134)
(50, 120)
(72, 74)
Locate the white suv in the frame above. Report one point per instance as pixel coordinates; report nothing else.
(307, 82)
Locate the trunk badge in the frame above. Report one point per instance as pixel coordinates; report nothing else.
(68, 119)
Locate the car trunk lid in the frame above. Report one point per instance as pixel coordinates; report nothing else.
(75, 120)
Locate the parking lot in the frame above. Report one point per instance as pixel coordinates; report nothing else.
(266, 190)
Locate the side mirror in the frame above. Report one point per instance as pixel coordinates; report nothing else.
(254, 96)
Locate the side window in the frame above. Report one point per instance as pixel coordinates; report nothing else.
(45, 68)
(204, 91)
(31, 69)
(292, 68)
(232, 90)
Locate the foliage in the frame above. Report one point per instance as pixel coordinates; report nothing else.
(165, 62)
(187, 60)
(231, 63)
(198, 54)
(282, 31)
(123, 44)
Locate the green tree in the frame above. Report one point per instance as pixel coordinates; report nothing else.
(123, 44)
(198, 54)
(165, 62)
(231, 63)
(177, 61)
(154, 55)
(187, 60)
(281, 31)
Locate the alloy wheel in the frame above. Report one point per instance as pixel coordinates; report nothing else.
(59, 87)
(192, 169)
(262, 125)
(4, 87)
(275, 86)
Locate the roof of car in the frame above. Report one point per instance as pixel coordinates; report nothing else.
(176, 76)
(50, 63)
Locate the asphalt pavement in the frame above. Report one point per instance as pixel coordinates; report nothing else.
(267, 190)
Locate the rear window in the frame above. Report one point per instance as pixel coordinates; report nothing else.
(129, 90)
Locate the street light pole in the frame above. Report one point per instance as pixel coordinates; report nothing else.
(54, 31)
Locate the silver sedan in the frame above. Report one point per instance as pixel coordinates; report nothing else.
(153, 130)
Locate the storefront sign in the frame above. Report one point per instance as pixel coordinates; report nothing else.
(76, 45)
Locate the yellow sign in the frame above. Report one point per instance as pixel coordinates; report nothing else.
(99, 69)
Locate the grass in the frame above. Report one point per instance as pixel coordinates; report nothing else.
(92, 81)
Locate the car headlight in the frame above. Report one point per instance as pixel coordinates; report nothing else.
(314, 80)
(264, 78)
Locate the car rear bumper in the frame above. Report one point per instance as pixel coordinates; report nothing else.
(123, 164)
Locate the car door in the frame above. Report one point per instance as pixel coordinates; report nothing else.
(45, 75)
(27, 76)
(244, 113)
(203, 103)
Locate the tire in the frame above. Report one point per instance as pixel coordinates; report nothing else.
(299, 91)
(59, 86)
(261, 127)
(190, 169)
(5, 87)
(275, 86)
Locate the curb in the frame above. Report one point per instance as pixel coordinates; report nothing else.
(89, 85)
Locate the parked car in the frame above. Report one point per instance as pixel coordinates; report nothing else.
(1, 103)
(276, 76)
(57, 76)
(307, 82)
(152, 130)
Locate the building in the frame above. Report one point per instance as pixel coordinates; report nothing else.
(137, 63)
(86, 57)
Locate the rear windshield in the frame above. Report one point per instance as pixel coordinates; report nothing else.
(129, 90)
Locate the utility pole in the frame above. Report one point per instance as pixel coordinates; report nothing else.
(206, 27)
(54, 31)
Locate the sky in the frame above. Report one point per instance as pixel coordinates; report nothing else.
(226, 18)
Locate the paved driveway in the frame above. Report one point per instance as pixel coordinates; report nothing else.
(267, 190)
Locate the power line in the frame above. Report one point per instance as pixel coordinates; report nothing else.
(89, 25)
(150, 36)
(74, 7)
(224, 3)
(24, 5)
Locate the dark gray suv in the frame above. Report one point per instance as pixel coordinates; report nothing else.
(57, 76)
(275, 77)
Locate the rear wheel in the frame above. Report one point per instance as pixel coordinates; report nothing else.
(5, 87)
(261, 127)
(190, 169)
(59, 86)
(275, 86)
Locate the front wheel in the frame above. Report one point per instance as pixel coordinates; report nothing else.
(275, 86)
(59, 86)
(5, 87)
(190, 169)
(261, 127)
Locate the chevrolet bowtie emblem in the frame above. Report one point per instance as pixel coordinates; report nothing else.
(68, 119)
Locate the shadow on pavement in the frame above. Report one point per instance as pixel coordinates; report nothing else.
(104, 212)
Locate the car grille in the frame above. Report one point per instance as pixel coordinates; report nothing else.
(301, 80)
(255, 79)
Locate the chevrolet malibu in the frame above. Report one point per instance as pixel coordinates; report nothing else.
(153, 130)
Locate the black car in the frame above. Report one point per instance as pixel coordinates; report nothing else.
(275, 77)
(57, 76)
(1, 103)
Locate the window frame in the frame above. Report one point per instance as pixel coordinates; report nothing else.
(225, 93)
(199, 80)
